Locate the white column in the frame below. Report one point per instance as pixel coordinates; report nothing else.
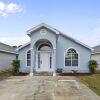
(54, 62)
(32, 62)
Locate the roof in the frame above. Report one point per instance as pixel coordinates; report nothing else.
(7, 48)
(77, 41)
(26, 44)
(96, 49)
(29, 32)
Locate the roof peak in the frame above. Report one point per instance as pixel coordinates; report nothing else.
(42, 25)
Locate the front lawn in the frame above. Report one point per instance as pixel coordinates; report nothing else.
(92, 81)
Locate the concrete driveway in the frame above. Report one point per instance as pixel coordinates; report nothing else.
(44, 88)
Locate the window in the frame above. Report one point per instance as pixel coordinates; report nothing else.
(44, 47)
(50, 60)
(71, 58)
(29, 58)
(38, 60)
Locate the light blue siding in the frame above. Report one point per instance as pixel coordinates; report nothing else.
(63, 44)
(22, 58)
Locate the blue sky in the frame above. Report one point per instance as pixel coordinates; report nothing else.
(77, 18)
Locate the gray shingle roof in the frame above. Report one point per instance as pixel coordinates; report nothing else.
(96, 49)
(7, 48)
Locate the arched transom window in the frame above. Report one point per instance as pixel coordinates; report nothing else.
(71, 58)
(44, 47)
(28, 58)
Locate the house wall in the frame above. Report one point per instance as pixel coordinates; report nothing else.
(63, 44)
(6, 60)
(97, 58)
(22, 58)
(60, 45)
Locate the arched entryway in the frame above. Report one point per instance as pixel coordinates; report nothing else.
(44, 55)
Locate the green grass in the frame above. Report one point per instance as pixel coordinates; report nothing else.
(5, 75)
(92, 81)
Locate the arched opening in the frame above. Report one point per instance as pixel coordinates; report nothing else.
(44, 56)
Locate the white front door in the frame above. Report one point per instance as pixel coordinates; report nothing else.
(44, 61)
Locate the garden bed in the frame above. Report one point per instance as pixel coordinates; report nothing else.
(20, 74)
(74, 74)
(6, 74)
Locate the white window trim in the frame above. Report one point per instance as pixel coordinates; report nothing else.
(78, 58)
(26, 58)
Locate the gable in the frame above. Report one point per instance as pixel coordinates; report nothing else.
(39, 36)
(42, 25)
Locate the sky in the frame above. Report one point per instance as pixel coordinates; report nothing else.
(79, 19)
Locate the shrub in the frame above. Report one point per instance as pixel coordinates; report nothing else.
(15, 66)
(92, 65)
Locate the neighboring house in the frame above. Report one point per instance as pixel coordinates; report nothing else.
(7, 54)
(50, 49)
(96, 55)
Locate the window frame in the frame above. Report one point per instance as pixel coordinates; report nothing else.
(28, 59)
(71, 58)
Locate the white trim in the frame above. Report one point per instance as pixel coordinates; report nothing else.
(44, 51)
(8, 51)
(26, 58)
(39, 26)
(23, 46)
(78, 58)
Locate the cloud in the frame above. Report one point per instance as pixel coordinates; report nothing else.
(2, 6)
(14, 40)
(10, 8)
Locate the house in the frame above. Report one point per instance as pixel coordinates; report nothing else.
(96, 55)
(7, 54)
(50, 49)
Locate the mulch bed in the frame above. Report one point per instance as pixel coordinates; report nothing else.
(74, 74)
(20, 74)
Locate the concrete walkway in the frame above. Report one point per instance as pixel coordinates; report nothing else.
(45, 88)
